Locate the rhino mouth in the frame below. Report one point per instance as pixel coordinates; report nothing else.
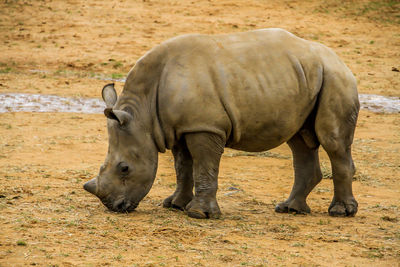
(120, 205)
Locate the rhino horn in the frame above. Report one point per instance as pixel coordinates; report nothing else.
(91, 186)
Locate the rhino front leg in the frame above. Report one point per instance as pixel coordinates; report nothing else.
(206, 150)
(307, 176)
(184, 177)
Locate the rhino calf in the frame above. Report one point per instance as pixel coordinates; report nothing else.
(252, 91)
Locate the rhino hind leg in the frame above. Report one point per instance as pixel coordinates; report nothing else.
(184, 178)
(343, 170)
(307, 172)
(206, 150)
(335, 125)
(343, 202)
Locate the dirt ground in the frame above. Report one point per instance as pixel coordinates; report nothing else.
(68, 48)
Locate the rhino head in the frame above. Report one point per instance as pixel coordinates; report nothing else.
(130, 166)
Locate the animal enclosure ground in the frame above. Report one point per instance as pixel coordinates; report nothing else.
(69, 48)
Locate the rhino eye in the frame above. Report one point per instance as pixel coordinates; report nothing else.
(123, 168)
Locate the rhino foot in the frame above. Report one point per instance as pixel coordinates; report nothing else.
(177, 201)
(343, 209)
(298, 207)
(201, 209)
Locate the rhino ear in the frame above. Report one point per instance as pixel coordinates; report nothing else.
(109, 95)
(121, 116)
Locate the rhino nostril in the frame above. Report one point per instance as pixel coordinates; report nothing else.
(121, 205)
(127, 205)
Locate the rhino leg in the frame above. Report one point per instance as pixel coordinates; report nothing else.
(307, 175)
(343, 202)
(334, 125)
(184, 178)
(206, 150)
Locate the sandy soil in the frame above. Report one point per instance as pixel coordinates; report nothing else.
(47, 219)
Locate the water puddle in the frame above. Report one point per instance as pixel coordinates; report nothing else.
(49, 103)
(379, 103)
(13, 102)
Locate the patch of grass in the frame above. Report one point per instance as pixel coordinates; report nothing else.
(6, 70)
(21, 243)
(374, 253)
(117, 65)
(92, 140)
(118, 257)
(6, 126)
(76, 117)
(386, 11)
(283, 228)
(298, 244)
(116, 76)
(362, 177)
(112, 221)
(323, 222)
(69, 208)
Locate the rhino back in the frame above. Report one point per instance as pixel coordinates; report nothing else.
(254, 89)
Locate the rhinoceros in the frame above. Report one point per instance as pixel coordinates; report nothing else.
(197, 94)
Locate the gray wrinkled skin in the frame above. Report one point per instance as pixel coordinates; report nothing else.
(252, 91)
